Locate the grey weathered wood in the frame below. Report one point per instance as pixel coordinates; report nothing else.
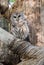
(5, 36)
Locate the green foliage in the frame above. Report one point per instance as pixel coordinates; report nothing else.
(12, 0)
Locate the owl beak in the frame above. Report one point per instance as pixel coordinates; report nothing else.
(17, 19)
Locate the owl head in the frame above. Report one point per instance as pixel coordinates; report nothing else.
(16, 18)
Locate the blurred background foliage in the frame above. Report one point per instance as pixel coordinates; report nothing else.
(12, 0)
(4, 23)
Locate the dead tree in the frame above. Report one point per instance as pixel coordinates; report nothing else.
(32, 54)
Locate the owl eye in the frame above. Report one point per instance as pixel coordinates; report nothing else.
(14, 16)
(13, 25)
(19, 15)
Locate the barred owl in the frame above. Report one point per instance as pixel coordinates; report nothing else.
(20, 28)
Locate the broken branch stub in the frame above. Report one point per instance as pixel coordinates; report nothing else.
(5, 36)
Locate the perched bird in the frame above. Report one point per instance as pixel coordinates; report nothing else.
(21, 29)
(19, 26)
